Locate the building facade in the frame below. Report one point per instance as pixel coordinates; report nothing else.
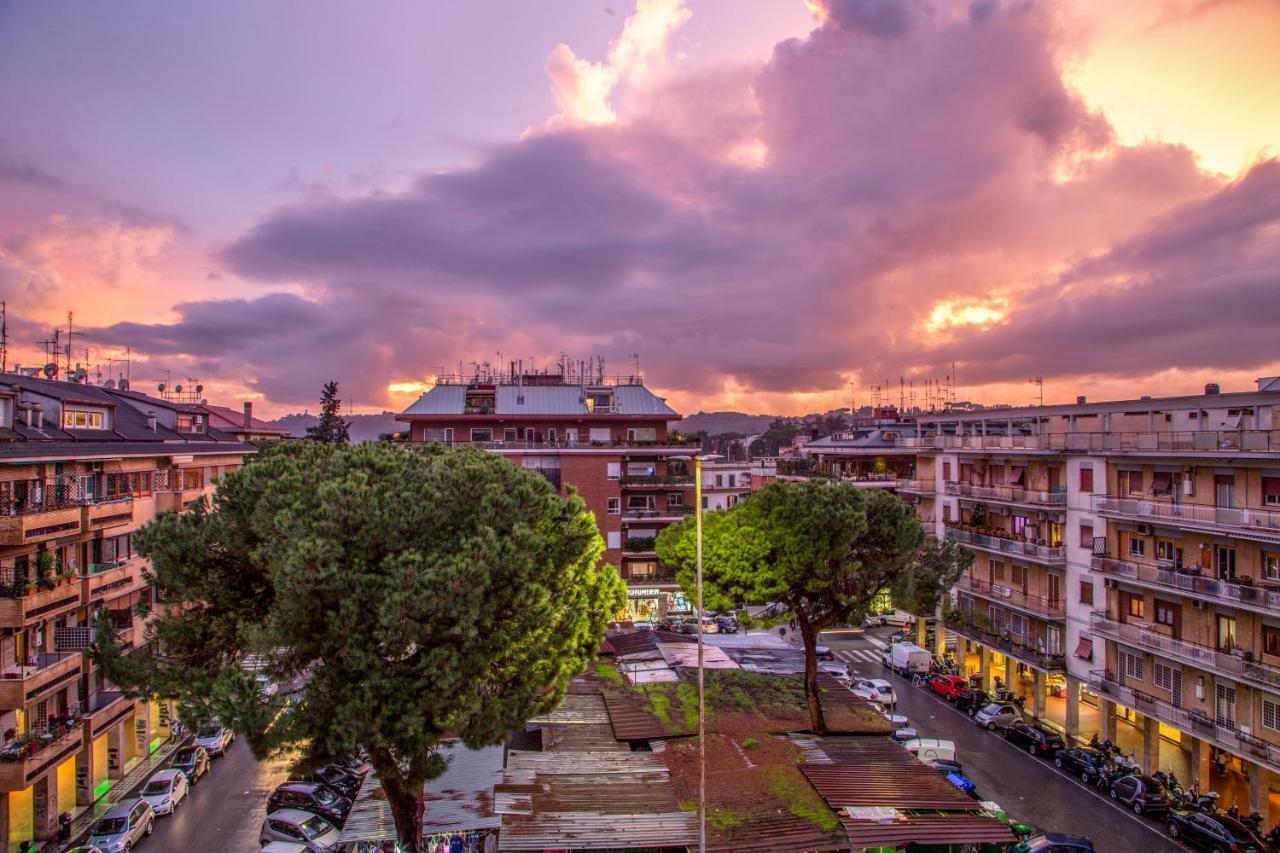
(1128, 572)
(81, 469)
(607, 438)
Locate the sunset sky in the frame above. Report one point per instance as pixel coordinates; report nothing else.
(775, 203)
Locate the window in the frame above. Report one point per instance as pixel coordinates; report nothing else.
(613, 506)
(719, 481)
(1130, 665)
(704, 502)
(1086, 478)
(1164, 550)
(946, 471)
(481, 434)
(614, 539)
(1226, 633)
(641, 502)
(1225, 706)
(1162, 484)
(997, 571)
(1137, 547)
(642, 434)
(614, 471)
(1226, 562)
(1086, 534)
(1271, 491)
(733, 481)
(1137, 607)
(190, 423)
(1162, 676)
(641, 469)
(600, 434)
(642, 569)
(72, 419)
(1271, 567)
(675, 499)
(1270, 714)
(140, 483)
(1271, 640)
(1167, 613)
(509, 434)
(1130, 482)
(1018, 576)
(1086, 593)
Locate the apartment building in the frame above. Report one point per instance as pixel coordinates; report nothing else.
(81, 469)
(724, 484)
(606, 437)
(875, 454)
(1128, 571)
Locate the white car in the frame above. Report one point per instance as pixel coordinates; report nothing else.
(215, 738)
(285, 847)
(869, 693)
(834, 668)
(165, 790)
(312, 831)
(883, 689)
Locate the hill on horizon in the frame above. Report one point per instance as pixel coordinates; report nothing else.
(719, 423)
(363, 427)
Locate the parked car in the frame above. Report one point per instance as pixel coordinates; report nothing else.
(315, 797)
(949, 686)
(87, 849)
(214, 737)
(727, 624)
(971, 700)
(906, 658)
(301, 827)
(997, 715)
(165, 790)
(900, 618)
(285, 847)
(1054, 842)
(868, 693)
(193, 761)
(836, 669)
(346, 784)
(883, 689)
(1213, 832)
(353, 764)
(1141, 793)
(946, 768)
(825, 653)
(929, 749)
(1084, 763)
(670, 623)
(1035, 738)
(709, 625)
(120, 829)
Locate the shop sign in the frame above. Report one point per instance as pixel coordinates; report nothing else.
(644, 592)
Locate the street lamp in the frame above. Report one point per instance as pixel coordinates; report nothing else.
(702, 716)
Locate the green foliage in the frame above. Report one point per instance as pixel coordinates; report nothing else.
(609, 674)
(750, 743)
(938, 567)
(419, 593)
(659, 704)
(788, 785)
(687, 697)
(331, 428)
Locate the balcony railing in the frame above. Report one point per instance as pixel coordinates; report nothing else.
(1039, 605)
(978, 628)
(639, 544)
(40, 675)
(1014, 547)
(1202, 441)
(25, 758)
(916, 487)
(1183, 514)
(1222, 733)
(649, 512)
(1008, 494)
(1236, 666)
(682, 442)
(1190, 582)
(656, 480)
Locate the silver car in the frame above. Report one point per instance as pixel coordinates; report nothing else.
(997, 715)
(215, 738)
(120, 829)
(165, 790)
(300, 827)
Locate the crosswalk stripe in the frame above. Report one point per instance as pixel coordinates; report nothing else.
(857, 656)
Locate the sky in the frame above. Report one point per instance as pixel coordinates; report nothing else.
(770, 205)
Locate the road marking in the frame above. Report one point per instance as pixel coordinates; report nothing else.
(1103, 797)
(858, 656)
(879, 644)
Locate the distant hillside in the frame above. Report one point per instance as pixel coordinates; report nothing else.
(719, 423)
(363, 427)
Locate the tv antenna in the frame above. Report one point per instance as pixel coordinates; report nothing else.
(1038, 381)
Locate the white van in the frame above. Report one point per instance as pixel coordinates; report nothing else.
(906, 658)
(931, 749)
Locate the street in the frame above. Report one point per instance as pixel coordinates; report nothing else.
(1029, 789)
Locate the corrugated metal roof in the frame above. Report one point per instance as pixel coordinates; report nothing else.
(631, 719)
(900, 786)
(926, 830)
(459, 800)
(852, 749)
(639, 400)
(541, 400)
(774, 834)
(440, 400)
(579, 724)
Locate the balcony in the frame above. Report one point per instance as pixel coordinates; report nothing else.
(1048, 608)
(674, 513)
(1257, 523)
(1147, 637)
(1046, 554)
(657, 481)
(1203, 441)
(105, 514)
(112, 579)
(1221, 733)
(1190, 582)
(640, 545)
(977, 627)
(43, 674)
(24, 600)
(27, 758)
(106, 707)
(1009, 494)
(680, 444)
(924, 488)
(40, 524)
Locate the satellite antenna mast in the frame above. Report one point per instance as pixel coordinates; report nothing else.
(1039, 382)
(4, 337)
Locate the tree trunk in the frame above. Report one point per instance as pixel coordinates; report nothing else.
(406, 798)
(810, 637)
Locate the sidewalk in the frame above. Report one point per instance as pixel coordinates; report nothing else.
(84, 816)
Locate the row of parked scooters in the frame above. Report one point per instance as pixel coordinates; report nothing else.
(1191, 816)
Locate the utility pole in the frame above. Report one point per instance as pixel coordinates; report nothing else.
(4, 337)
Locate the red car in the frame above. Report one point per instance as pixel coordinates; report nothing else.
(948, 686)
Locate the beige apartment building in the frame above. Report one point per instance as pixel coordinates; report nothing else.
(81, 469)
(1127, 577)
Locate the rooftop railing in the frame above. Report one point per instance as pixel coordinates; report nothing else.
(1198, 441)
(1187, 513)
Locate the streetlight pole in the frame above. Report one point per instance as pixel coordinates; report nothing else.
(702, 717)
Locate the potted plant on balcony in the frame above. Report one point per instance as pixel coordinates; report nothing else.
(44, 570)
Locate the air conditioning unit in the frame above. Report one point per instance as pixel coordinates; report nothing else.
(1144, 529)
(1197, 604)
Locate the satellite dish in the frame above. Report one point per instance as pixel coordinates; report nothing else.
(199, 389)
(50, 370)
(160, 387)
(177, 389)
(110, 383)
(80, 375)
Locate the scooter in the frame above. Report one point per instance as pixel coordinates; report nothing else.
(1106, 747)
(1206, 802)
(1168, 781)
(1253, 820)
(1273, 837)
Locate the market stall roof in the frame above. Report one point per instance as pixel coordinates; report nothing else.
(906, 828)
(460, 800)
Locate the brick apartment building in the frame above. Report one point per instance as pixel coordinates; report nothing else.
(1128, 571)
(606, 437)
(81, 468)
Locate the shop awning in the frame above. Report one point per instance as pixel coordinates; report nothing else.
(1084, 648)
(1019, 476)
(1161, 483)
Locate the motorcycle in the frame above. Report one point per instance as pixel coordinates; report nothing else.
(1206, 802)
(1273, 837)
(1253, 820)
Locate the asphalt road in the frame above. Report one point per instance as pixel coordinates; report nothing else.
(1030, 789)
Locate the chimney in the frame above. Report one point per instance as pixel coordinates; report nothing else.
(248, 414)
(1081, 400)
(37, 415)
(151, 421)
(1212, 388)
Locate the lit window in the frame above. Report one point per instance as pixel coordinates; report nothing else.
(72, 419)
